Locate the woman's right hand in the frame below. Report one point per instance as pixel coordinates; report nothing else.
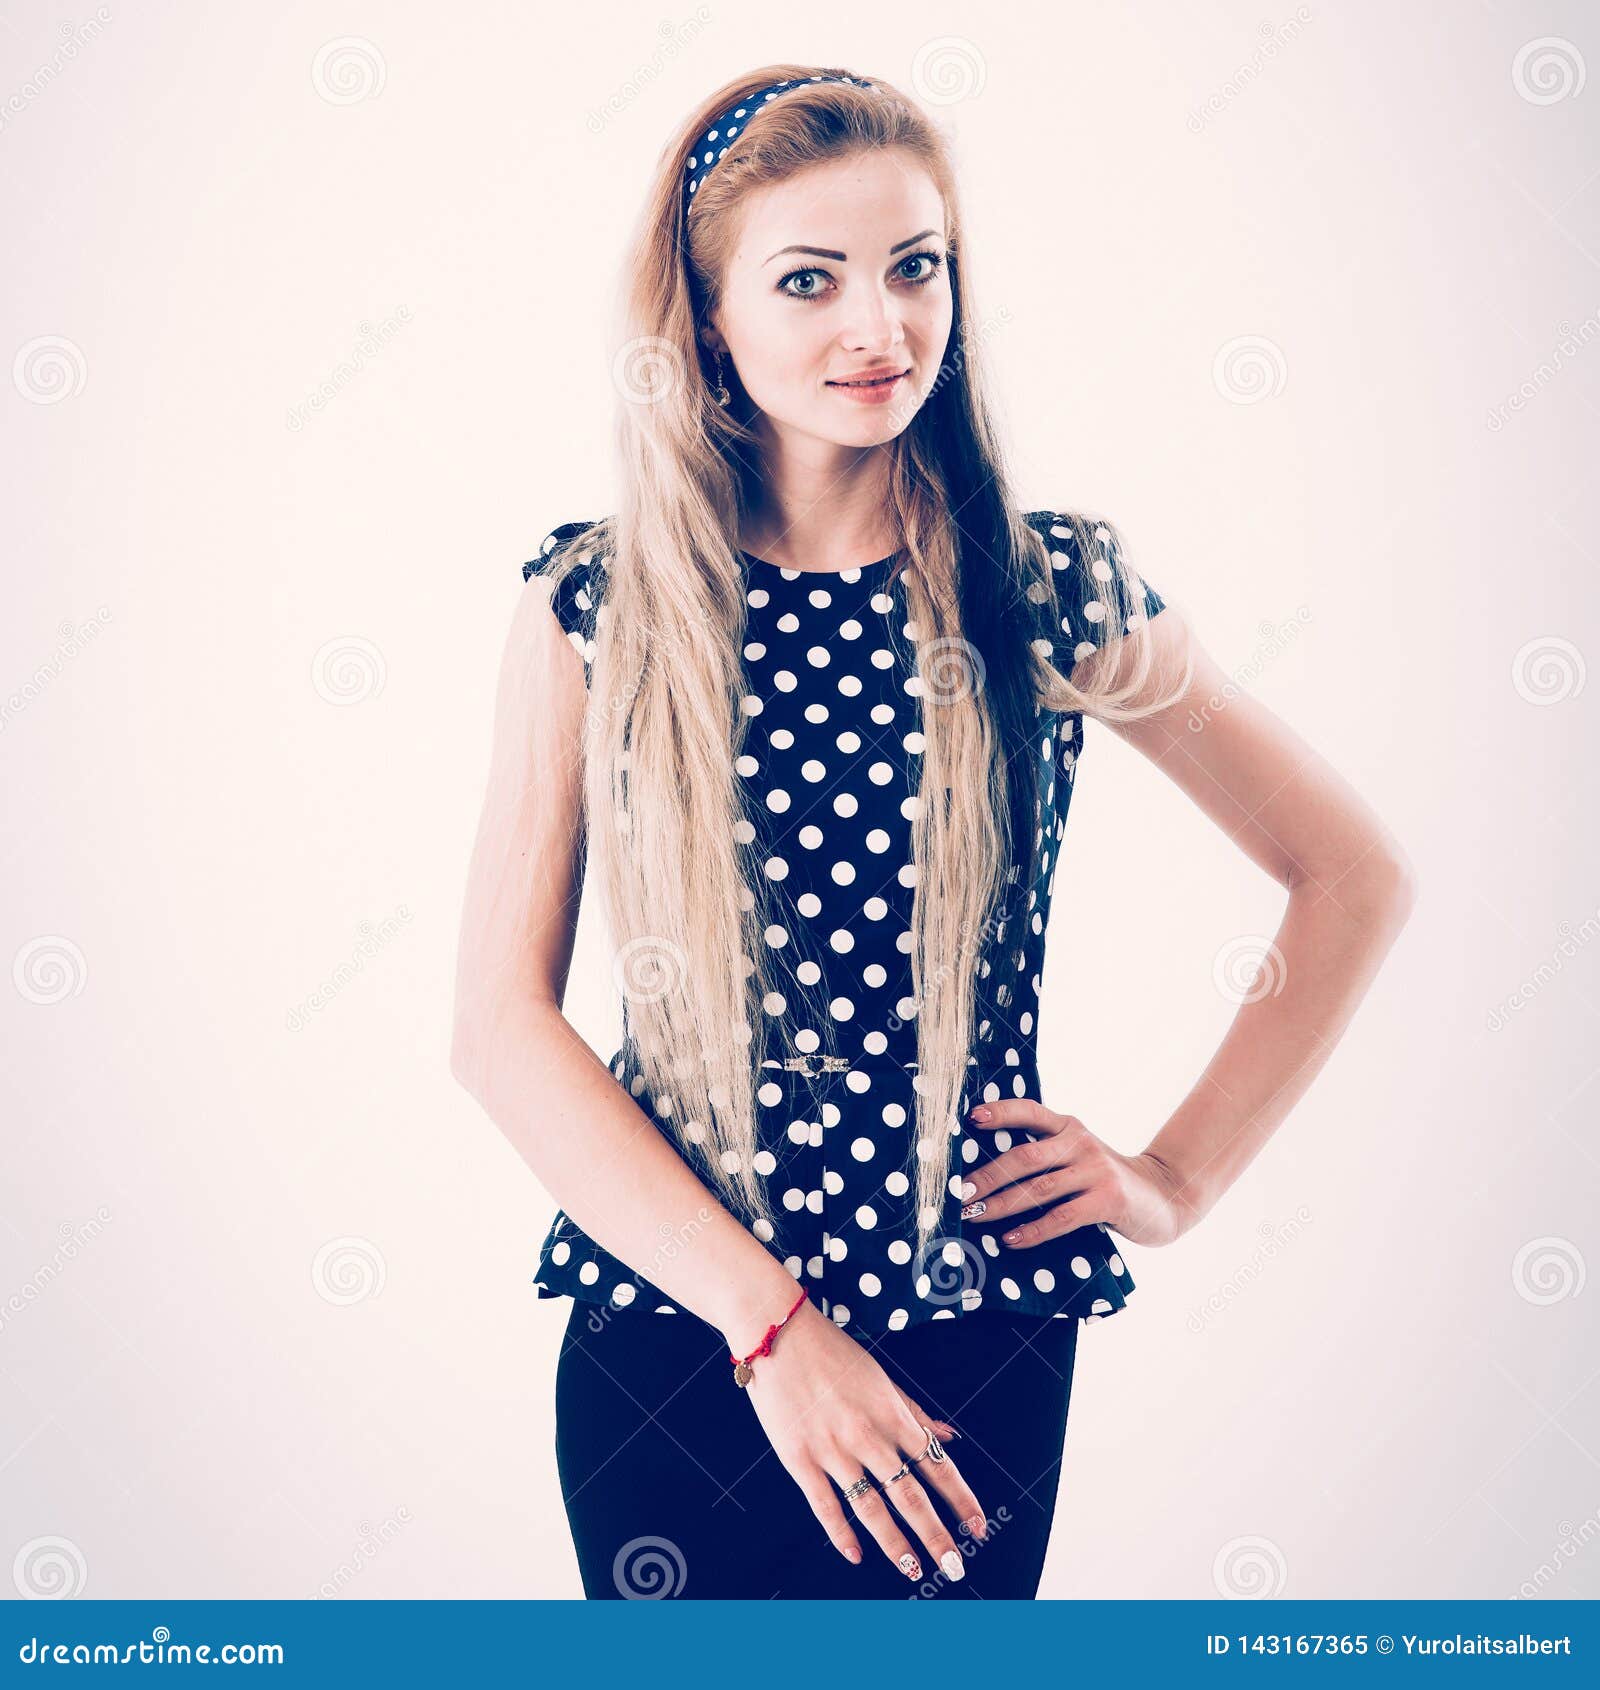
(833, 1413)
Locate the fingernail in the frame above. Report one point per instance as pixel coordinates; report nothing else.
(951, 1562)
(968, 1189)
(910, 1566)
(973, 1210)
(978, 1526)
(980, 1113)
(852, 1555)
(1010, 1237)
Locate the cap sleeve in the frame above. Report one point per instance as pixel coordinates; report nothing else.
(1096, 606)
(577, 575)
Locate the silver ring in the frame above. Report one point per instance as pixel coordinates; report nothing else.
(859, 1488)
(935, 1449)
(905, 1467)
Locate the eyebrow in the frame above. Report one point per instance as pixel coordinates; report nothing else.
(826, 252)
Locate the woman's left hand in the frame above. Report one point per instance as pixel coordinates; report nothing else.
(1082, 1179)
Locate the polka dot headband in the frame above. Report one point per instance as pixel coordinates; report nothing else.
(730, 125)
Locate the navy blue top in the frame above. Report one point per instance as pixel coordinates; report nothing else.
(830, 766)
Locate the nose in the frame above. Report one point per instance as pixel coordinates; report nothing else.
(874, 324)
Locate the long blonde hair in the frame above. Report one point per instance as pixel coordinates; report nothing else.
(684, 889)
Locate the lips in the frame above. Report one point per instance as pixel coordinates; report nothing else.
(881, 379)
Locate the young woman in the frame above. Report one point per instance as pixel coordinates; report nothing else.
(811, 704)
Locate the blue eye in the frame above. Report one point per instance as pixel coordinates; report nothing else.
(935, 262)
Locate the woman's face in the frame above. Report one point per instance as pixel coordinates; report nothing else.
(837, 271)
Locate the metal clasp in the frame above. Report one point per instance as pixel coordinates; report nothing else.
(802, 1064)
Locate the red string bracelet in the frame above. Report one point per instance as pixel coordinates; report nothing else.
(743, 1372)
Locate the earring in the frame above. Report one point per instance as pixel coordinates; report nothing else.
(718, 392)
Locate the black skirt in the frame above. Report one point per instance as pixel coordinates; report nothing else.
(673, 1490)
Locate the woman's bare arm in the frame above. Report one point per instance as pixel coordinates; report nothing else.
(582, 1134)
(1351, 890)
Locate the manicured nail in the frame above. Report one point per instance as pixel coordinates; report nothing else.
(980, 1113)
(968, 1189)
(852, 1554)
(973, 1210)
(1009, 1237)
(910, 1566)
(977, 1526)
(951, 1562)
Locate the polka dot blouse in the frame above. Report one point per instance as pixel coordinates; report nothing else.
(830, 767)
